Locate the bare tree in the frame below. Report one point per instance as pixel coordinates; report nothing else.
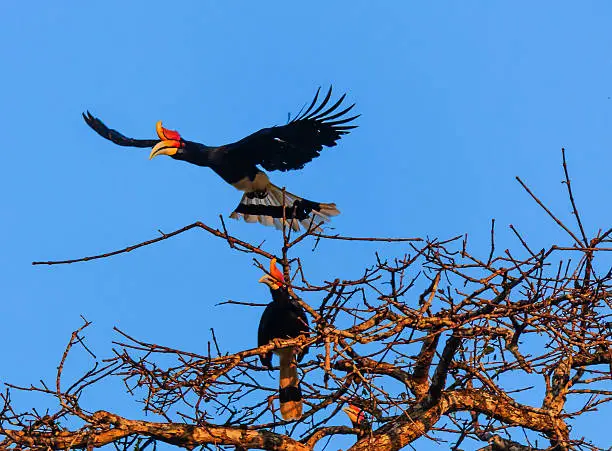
(505, 350)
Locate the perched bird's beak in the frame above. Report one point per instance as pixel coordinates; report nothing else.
(354, 413)
(275, 279)
(170, 142)
(269, 281)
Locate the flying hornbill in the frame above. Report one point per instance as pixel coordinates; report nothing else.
(283, 148)
(283, 318)
(358, 419)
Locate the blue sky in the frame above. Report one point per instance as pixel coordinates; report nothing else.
(456, 99)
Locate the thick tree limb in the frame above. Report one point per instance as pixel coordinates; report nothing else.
(418, 421)
(109, 428)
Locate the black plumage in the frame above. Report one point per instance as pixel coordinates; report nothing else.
(283, 318)
(114, 135)
(291, 146)
(279, 148)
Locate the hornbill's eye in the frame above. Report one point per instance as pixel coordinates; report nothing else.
(169, 144)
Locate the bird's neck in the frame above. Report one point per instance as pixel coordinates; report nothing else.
(195, 153)
(280, 295)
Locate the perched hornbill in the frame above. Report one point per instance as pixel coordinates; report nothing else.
(358, 419)
(283, 318)
(281, 148)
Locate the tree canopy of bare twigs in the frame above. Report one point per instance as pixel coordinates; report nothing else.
(503, 350)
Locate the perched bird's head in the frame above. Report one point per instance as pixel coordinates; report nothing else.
(170, 142)
(355, 414)
(275, 279)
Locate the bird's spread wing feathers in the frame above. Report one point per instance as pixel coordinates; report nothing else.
(291, 146)
(114, 135)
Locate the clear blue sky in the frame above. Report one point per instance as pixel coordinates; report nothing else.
(457, 99)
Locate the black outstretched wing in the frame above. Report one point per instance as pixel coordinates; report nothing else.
(114, 135)
(291, 146)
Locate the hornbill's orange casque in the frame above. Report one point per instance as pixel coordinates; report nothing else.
(281, 148)
(358, 419)
(283, 318)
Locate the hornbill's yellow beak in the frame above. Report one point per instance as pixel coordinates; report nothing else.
(275, 279)
(354, 413)
(170, 142)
